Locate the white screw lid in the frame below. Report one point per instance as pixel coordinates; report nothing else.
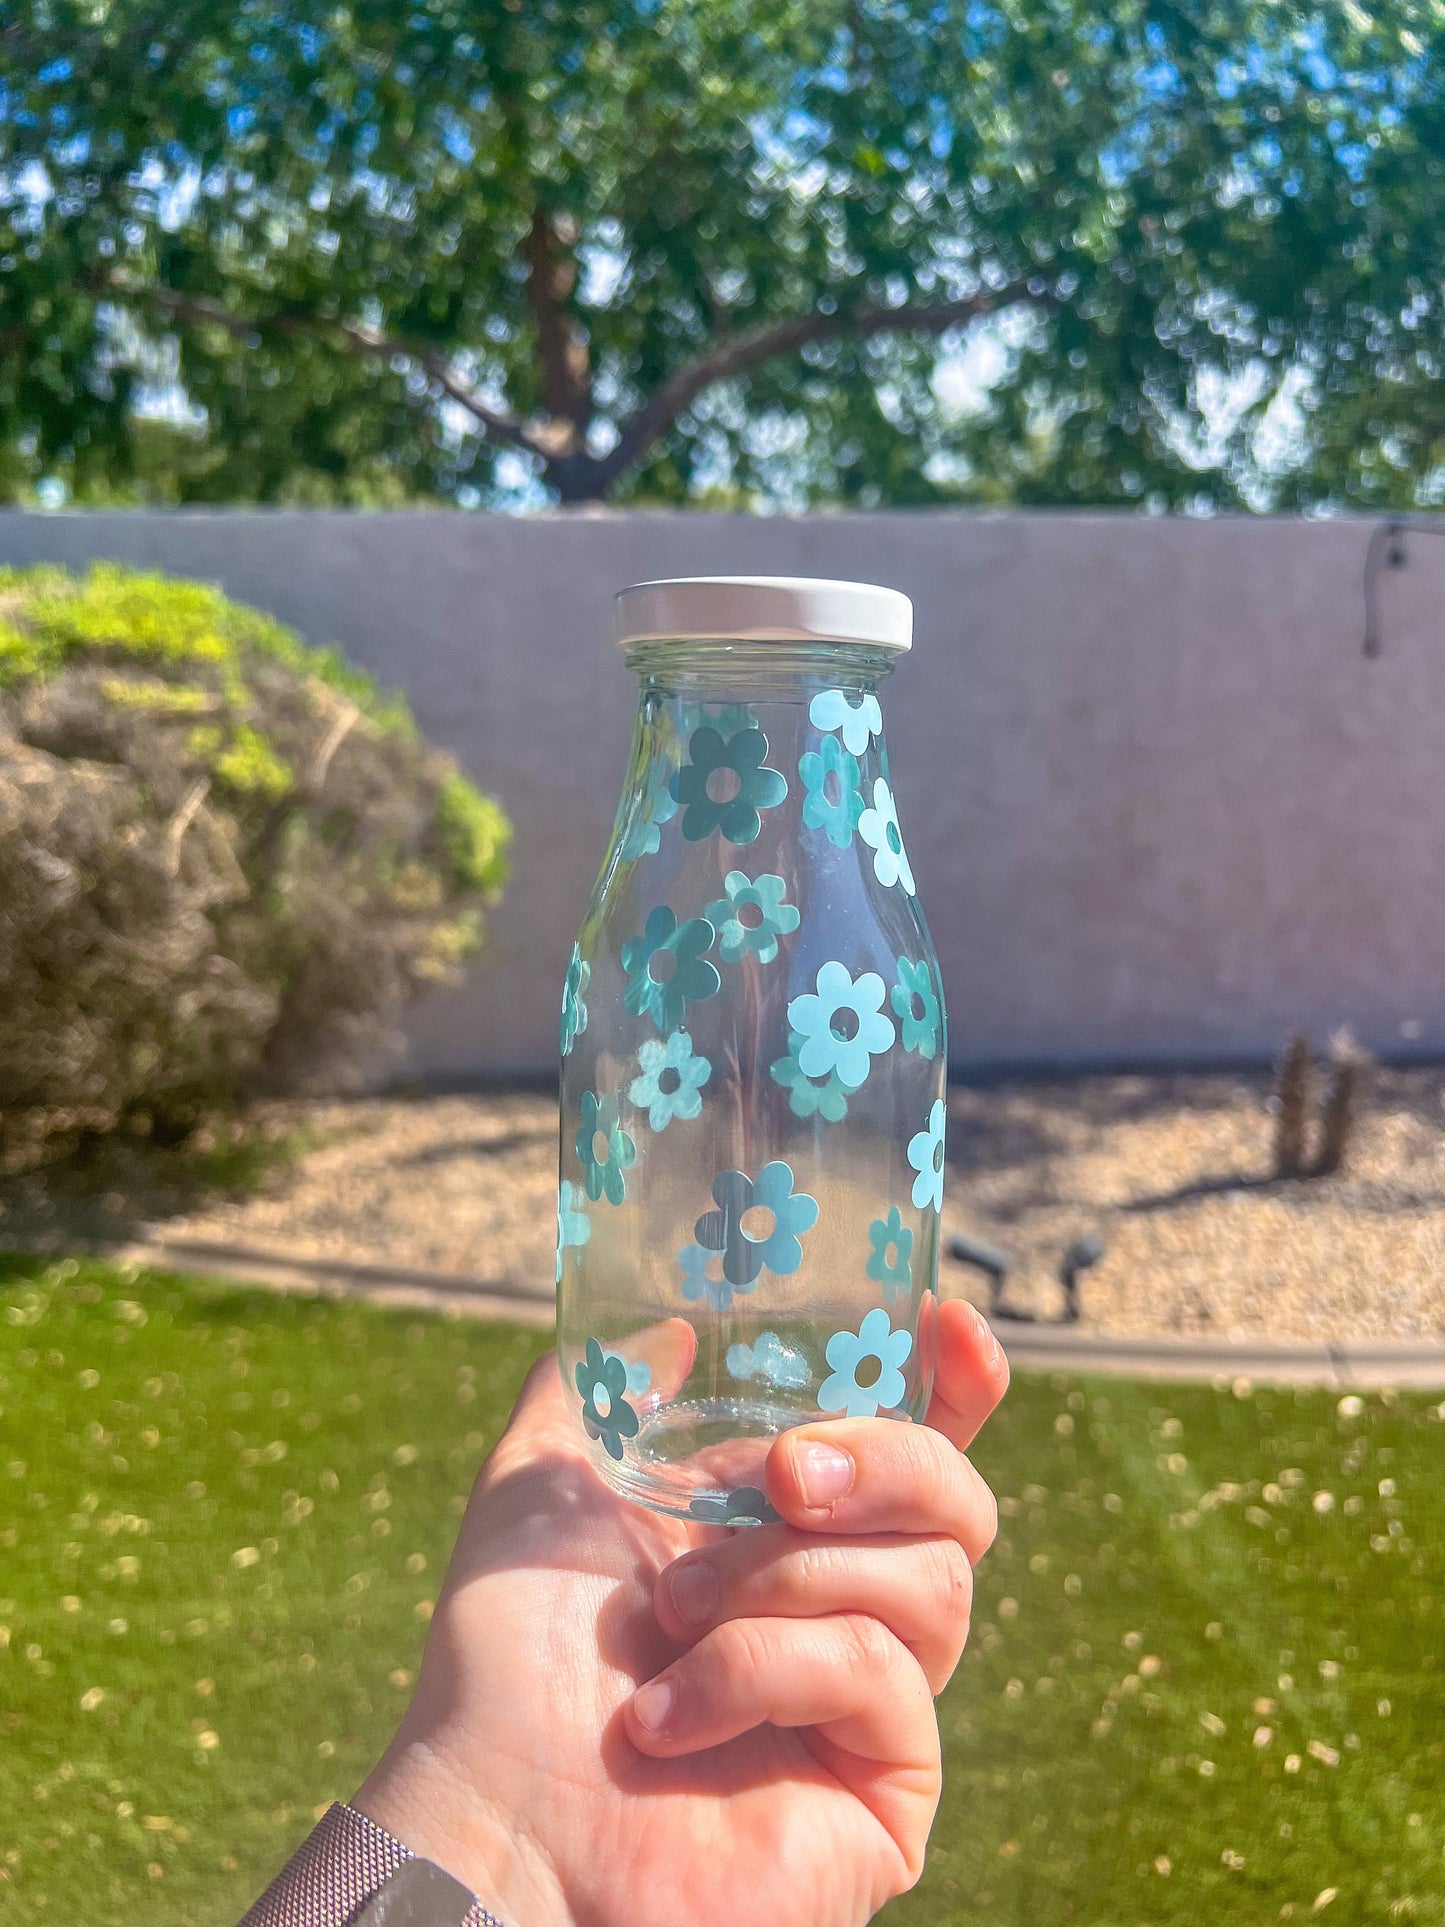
(762, 608)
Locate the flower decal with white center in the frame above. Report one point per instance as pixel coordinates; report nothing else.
(770, 1360)
(725, 785)
(606, 1415)
(890, 1263)
(574, 1007)
(745, 1507)
(832, 791)
(874, 1343)
(843, 1025)
(746, 1253)
(671, 1080)
(604, 1150)
(925, 1154)
(916, 1002)
(857, 719)
(825, 1097)
(655, 807)
(878, 828)
(751, 917)
(703, 1277)
(667, 968)
(574, 1227)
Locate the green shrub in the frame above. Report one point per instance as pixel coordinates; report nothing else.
(226, 859)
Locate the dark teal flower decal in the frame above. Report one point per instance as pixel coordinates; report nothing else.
(604, 1150)
(825, 1097)
(667, 968)
(890, 1263)
(724, 785)
(606, 1415)
(916, 1002)
(574, 1007)
(745, 1507)
(751, 917)
(745, 1254)
(833, 796)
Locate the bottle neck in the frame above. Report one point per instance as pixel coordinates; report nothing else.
(760, 671)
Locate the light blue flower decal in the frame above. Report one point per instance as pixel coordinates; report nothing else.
(606, 1415)
(876, 1339)
(725, 718)
(671, 1081)
(833, 795)
(856, 718)
(751, 917)
(771, 1360)
(604, 1149)
(807, 1096)
(745, 1507)
(574, 1008)
(703, 1277)
(780, 1249)
(916, 1002)
(693, 979)
(574, 1227)
(639, 1373)
(878, 828)
(891, 1261)
(843, 1025)
(925, 1154)
(657, 807)
(735, 766)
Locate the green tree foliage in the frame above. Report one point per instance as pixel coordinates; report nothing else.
(719, 249)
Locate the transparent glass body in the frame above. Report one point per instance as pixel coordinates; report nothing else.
(754, 1055)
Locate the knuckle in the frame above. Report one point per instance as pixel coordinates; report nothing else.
(934, 1469)
(736, 1654)
(870, 1650)
(951, 1581)
(988, 1508)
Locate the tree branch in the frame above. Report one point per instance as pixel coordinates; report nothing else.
(563, 364)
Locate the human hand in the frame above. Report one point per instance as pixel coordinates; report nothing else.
(626, 1720)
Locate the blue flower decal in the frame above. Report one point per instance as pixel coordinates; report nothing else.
(833, 796)
(916, 1002)
(842, 1025)
(751, 917)
(745, 1507)
(606, 1415)
(725, 718)
(857, 719)
(639, 1373)
(671, 1081)
(878, 828)
(703, 1277)
(644, 836)
(890, 1263)
(876, 1339)
(925, 1154)
(807, 1096)
(604, 1149)
(724, 785)
(744, 1255)
(667, 968)
(574, 1227)
(574, 1009)
(771, 1360)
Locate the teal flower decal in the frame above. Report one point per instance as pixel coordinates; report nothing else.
(878, 828)
(925, 1154)
(574, 1009)
(671, 1080)
(606, 1415)
(725, 784)
(725, 718)
(703, 1277)
(842, 1024)
(574, 1227)
(751, 917)
(874, 1339)
(667, 968)
(890, 1263)
(639, 1373)
(745, 1507)
(857, 719)
(808, 1096)
(744, 1254)
(604, 1149)
(916, 1003)
(656, 807)
(833, 796)
(770, 1360)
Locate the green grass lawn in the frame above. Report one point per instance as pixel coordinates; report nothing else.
(1207, 1680)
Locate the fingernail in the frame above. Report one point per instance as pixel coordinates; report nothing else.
(692, 1588)
(652, 1703)
(824, 1472)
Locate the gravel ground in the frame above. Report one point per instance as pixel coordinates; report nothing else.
(1172, 1173)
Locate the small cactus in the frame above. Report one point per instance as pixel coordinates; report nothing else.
(1293, 1093)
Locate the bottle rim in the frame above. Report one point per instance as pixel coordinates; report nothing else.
(762, 608)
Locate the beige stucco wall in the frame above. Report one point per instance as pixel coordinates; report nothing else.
(1158, 805)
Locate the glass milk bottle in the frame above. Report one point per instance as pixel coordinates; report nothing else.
(753, 1053)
